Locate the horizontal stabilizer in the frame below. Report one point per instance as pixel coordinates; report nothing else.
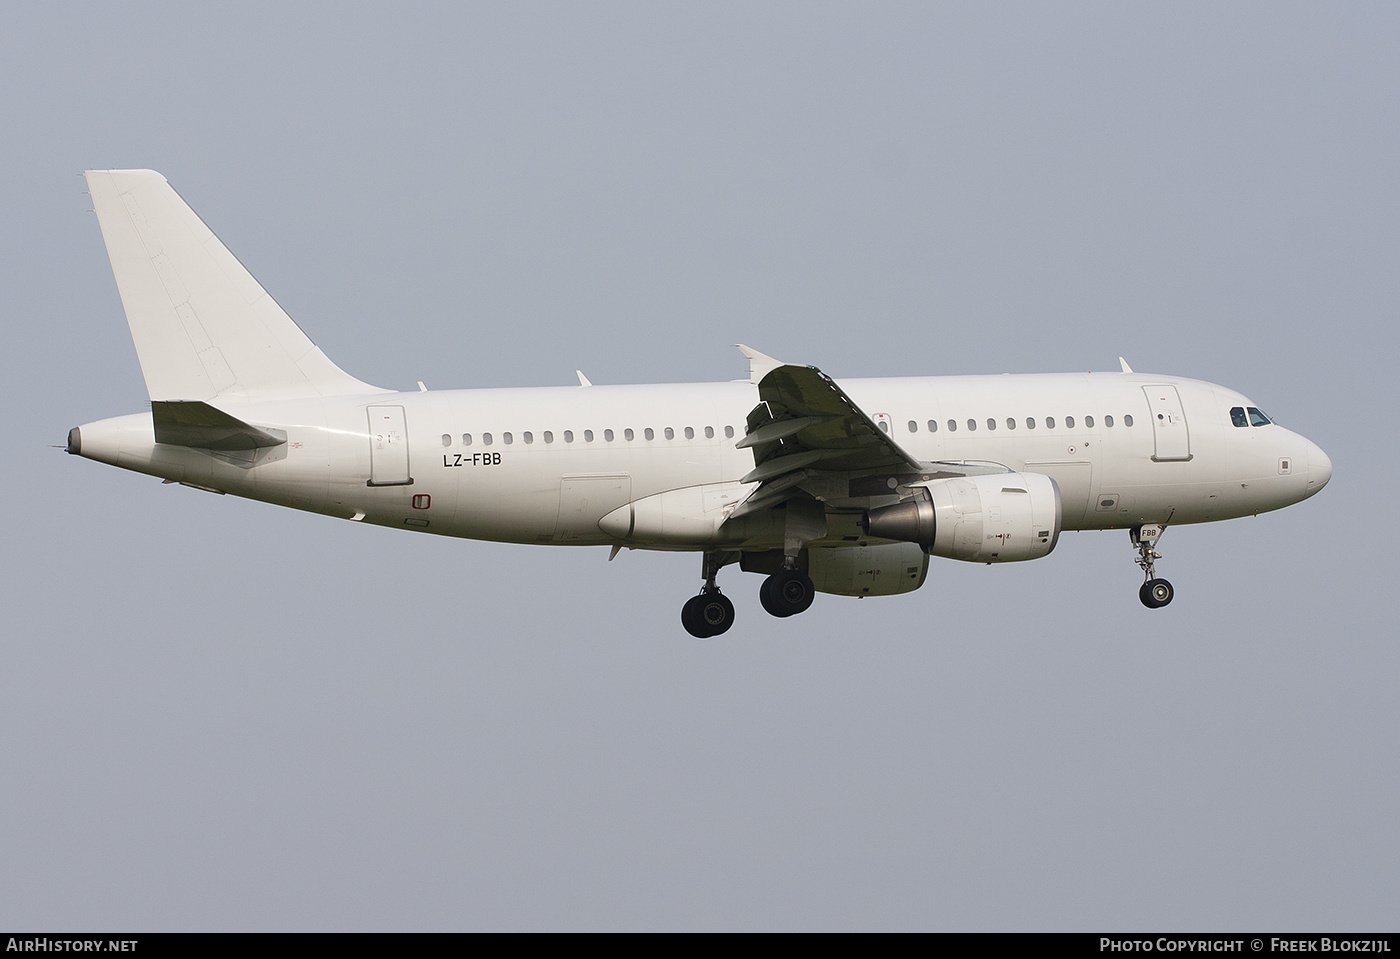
(198, 425)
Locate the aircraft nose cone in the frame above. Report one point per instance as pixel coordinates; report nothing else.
(1319, 468)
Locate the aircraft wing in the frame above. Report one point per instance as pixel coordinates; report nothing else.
(805, 425)
(806, 420)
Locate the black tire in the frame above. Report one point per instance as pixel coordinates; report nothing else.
(1156, 593)
(765, 597)
(690, 618)
(787, 592)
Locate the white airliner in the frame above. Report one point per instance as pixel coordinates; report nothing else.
(845, 489)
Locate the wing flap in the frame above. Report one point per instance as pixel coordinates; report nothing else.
(777, 430)
(784, 464)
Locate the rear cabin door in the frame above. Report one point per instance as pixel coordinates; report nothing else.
(388, 447)
(1168, 424)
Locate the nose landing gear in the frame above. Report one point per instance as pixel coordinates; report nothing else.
(1154, 593)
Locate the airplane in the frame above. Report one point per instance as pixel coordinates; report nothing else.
(845, 489)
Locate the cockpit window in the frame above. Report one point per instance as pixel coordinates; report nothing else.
(1237, 416)
(1257, 418)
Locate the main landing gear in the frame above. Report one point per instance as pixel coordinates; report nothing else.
(1154, 592)
(787, 592)
(710, 613)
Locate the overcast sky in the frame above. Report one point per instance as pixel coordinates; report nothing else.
(218, 714)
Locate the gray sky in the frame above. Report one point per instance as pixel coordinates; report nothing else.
(224, 715)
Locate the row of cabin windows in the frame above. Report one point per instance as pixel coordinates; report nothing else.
(1011, 423)
(689, 431)
(568, 436)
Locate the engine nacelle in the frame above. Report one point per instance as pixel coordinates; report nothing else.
(881, 570)
(1001, 518)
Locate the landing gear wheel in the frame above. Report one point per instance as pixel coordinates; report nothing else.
(1156, 593)
(707, 614)
(787, 592)
(716, 612)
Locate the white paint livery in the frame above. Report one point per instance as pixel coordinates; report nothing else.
(845, 489)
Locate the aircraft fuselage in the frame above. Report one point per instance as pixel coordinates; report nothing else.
(548, 465)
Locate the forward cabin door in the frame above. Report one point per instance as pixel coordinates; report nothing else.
(388, 447)
(1168, 424)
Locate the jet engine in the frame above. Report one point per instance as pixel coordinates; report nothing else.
(1001, 518)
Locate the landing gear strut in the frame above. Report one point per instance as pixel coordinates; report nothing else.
(711, 612)
(1154, 592)
(789, 591)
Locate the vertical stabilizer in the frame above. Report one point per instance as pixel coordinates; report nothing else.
(202, 325)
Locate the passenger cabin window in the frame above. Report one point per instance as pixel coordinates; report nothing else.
(1257, 418)
(1069, 422)
(588, 436)
(729, 432)
(1049, 422)
(1108, 420)
(1030, 422)
(608, 435)
(648, 433)
(548, 436)
(709, 432)
(446, 439)
(507, 439)
(933, 426)
(568, 436)
(913, 427)
(1237, 416)
(466, 439)
(952, 426)
(1011, 422)
(1088, 422)
(971, 425)
(628, 435)
(1127, 419)
(529, 437)
(670, 433)
(485, 439)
